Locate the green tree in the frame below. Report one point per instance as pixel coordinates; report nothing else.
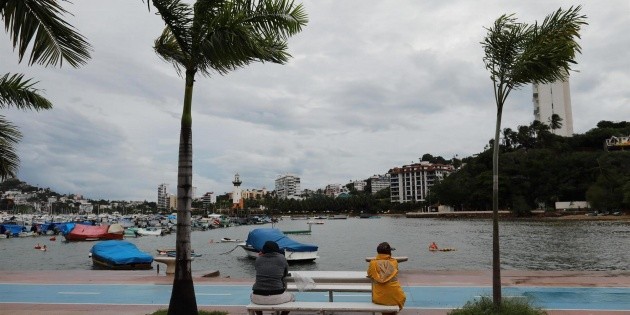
(218, 36)
(34, 25)
(517, 54)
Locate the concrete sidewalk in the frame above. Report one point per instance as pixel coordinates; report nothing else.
(407, 278)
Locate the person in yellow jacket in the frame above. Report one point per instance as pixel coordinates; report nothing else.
(383, 270)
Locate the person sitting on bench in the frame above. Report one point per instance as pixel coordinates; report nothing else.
(383, 270)
(271, 269)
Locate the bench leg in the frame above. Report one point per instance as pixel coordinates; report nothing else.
(330, 296)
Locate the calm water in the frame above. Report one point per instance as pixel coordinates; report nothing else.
(344, 244)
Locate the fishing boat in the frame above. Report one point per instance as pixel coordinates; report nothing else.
(293, 251)
(82, 232)
(120, 255)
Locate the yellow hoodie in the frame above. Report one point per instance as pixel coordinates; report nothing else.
(386, 289)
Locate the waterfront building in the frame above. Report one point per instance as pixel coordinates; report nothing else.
(378, 182)
(411, 183)
(359, 185)
(287, 186)
(255, 193)
(237, 199)
(208, 199)
(162, 197)
(172, 202)
(554, 98)
(617, 143)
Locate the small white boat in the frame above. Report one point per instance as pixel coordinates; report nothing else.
(229, 240)
(149, 231)
(293, 251)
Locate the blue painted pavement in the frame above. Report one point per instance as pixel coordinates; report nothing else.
(418, 297)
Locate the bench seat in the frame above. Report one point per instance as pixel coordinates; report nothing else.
(323, 307)
(334, 287)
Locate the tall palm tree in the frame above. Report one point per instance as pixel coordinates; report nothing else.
(36, 25)
(517, 54)
(219, 36)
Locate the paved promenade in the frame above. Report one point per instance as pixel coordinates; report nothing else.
(442, 279)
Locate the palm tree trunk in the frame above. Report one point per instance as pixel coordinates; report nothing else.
(496, 261)
(183, 299)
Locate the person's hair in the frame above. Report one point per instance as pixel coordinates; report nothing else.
(270, 247)
(384, 248)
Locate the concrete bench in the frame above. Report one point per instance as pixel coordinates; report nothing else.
(334, 287)
(323, 307)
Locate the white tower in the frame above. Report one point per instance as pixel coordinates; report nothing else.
(554, 98)
(237, 200)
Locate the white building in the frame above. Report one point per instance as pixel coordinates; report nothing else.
(287, 186)
(554, 98)
(379, 182)
(237, 193)
(411, 183)
(208, 199)
(162, 196)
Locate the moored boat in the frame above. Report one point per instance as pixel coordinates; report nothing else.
(293, 251)
(82, 232)
(120, 255)
(150, 231)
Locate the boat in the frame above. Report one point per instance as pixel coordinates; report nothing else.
(82, 232)
(120, 255)
(229, 240)
(150, 231)
(293, 251)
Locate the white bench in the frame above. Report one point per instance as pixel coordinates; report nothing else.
(334, 287)
(323, 307)
(169, 262)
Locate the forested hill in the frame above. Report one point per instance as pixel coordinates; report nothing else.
(538, 168)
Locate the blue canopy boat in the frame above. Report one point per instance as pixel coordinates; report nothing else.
(120, 254)
(294, 251)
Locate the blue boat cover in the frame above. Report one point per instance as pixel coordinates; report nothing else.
(119, 252)
(13, 229)
(257, 238)
(65, 227)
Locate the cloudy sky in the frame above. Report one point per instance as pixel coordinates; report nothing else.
(371, 85)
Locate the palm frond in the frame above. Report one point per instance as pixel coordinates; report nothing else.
(167, 48)
(9, 160)
(233, 34)
(15, 91)
(178, 17)
(39, 24)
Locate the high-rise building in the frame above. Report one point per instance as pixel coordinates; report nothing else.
(554, 98)
(287, 186)
(162, 197)
(379, 182)
(411, 183)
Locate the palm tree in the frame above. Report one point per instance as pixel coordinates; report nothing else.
(36, 25)
(517, 54)
(555, 122)
(215, 36)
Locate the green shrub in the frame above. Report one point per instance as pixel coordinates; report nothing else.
(201, 312)
(511, 306)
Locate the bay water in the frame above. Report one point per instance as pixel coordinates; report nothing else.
(344, 245)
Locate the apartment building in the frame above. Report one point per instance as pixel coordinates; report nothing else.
(162, 196)
(287, 186)
(411, 183)
(379, 182)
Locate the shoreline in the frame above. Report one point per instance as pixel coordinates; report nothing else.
(537, 215)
